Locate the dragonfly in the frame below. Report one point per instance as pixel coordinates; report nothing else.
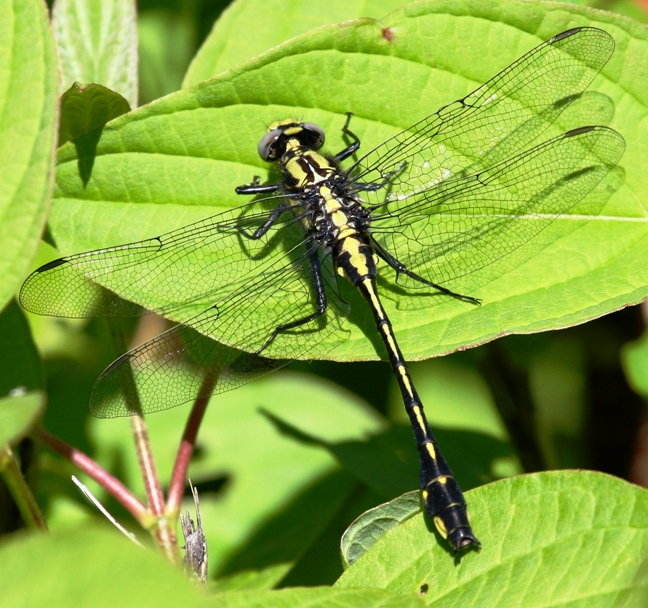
(437, 205)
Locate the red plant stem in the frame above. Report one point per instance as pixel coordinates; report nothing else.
(147, 327)
(99, 474)
(186, 448)
(147, 465)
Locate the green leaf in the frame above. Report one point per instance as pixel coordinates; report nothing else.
(166, 45)
(230, 43)
(179, 159)
(28, 89)
(97, 43)
(635, 363)
(316, 597)
(19, 359)
(269, 494)
(18, 415)
(363, 533)
(90, 567)
(265, 578)
(87, 109)
(574, 538)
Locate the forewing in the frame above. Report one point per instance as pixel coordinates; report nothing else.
(461, 226)
(182, 364)
(199, 262)
(498, 119)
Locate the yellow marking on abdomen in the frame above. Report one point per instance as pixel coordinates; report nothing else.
(440, 526)
(375, 302)
(421, 422)
(357, 259)
(339, 219)
(406, 380)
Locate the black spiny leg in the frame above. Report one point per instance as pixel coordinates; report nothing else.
(400, 268)
(255, 187)
(351, 149)
(320, 301)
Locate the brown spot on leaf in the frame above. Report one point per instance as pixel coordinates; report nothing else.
(388, 34)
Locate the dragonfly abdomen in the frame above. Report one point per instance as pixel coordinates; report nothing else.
(443, 499)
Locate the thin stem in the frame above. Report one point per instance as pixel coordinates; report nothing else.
(20, 490)
(100, 475)
(147, 465)
(176, 487)
(163, 530)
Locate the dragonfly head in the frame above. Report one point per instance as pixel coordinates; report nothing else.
(274, 143)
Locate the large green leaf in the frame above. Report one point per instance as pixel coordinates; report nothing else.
(28, 88)
(316, 597)
(90, 567)
(97, 43)
(179, 159)
(569, 538)
(229, 43)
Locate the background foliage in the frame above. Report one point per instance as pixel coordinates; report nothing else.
(285, 464)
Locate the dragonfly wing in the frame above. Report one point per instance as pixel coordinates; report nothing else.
(498, 119)
(461, 226)
(198, 262)
(175, 366)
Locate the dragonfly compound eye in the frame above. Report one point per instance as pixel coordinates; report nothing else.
(269, 145)
(273, 144)
(314, 134)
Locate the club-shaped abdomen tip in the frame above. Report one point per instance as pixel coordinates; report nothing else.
(460, 536)
(463, 538)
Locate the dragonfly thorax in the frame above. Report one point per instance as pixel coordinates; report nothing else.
(337, 214)
(334, 213)
(303, 167)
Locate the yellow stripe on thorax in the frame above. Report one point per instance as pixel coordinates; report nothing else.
(294, 166)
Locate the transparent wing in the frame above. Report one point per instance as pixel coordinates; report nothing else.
(174, 367)
(489, 125)
(463, 225)
(199, 262)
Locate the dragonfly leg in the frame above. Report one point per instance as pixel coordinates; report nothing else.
(400, 268)
(320, 302)
(355, 141)
(255, 187)
(267, 224)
